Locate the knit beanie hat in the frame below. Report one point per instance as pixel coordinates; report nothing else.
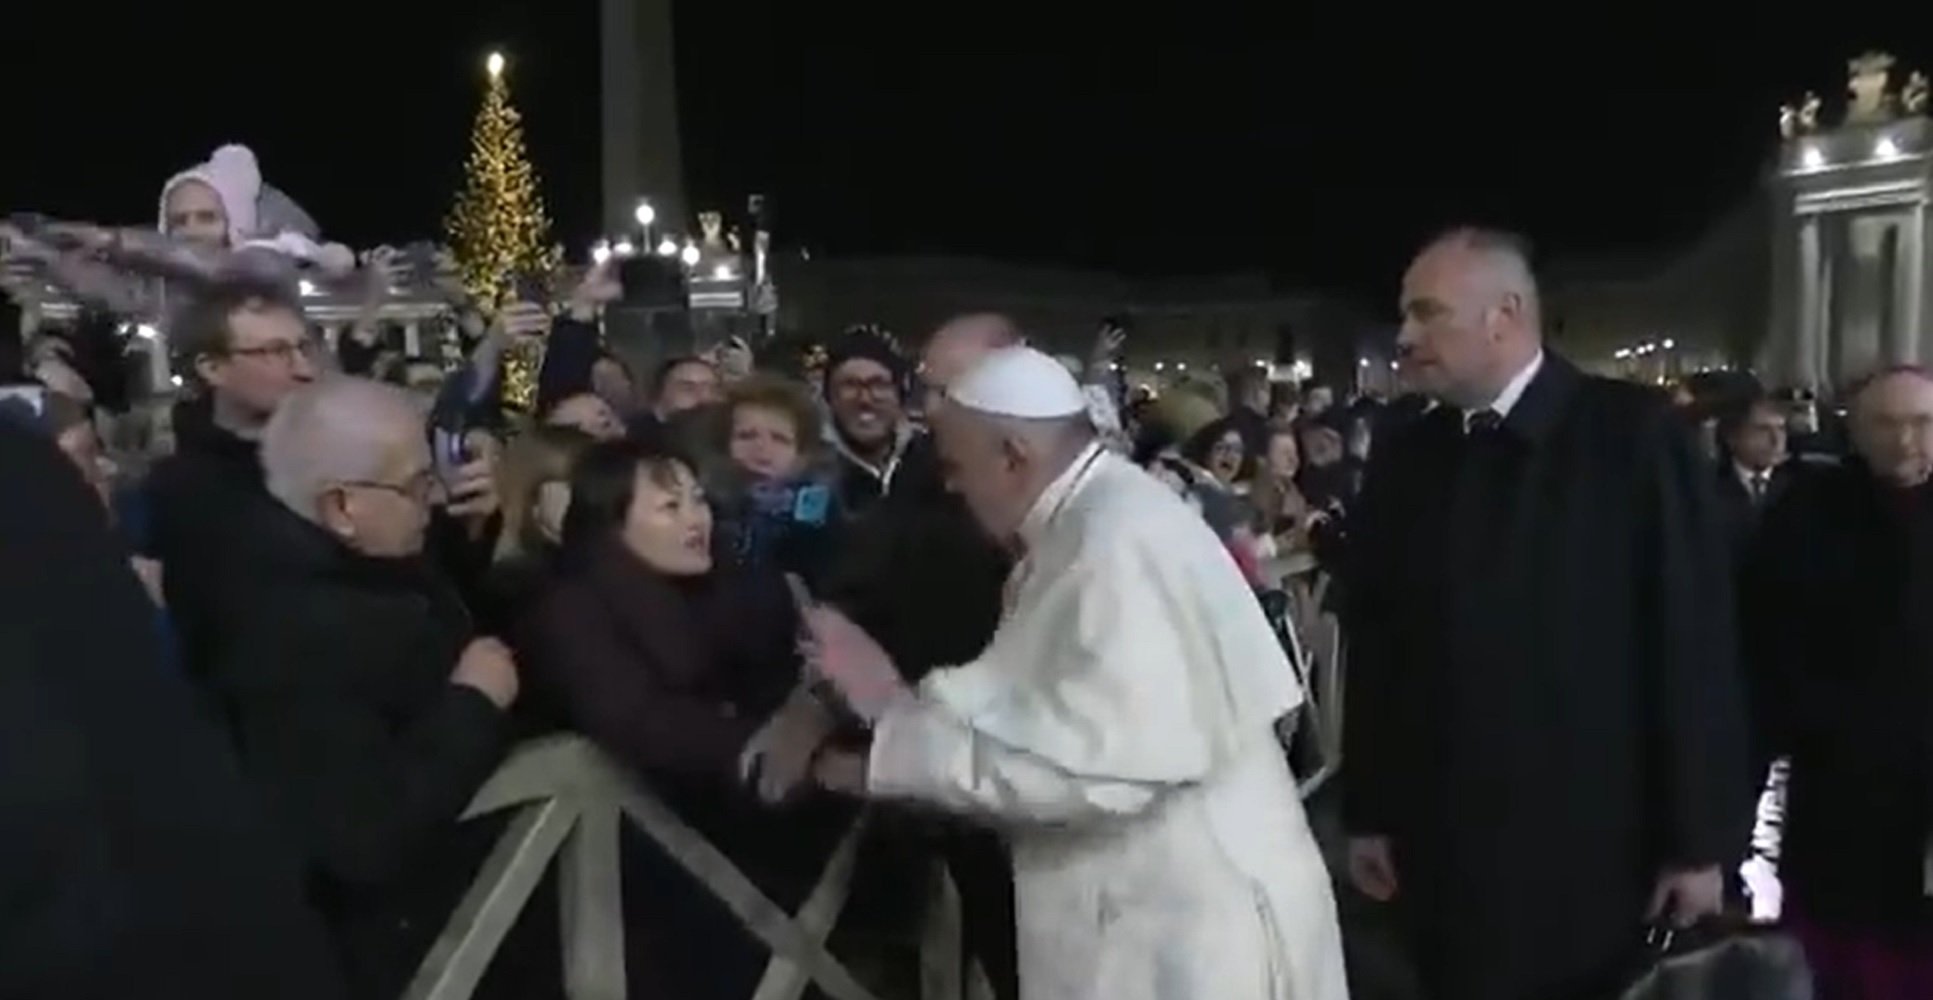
(259, 215)
(1183, 413)
(236, 180)
(868, 343)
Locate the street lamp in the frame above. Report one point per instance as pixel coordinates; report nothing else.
(667, 247)
(690, 254)
(645, 214)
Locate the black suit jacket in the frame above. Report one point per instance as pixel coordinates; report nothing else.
(1738, 513)
(1543, 705)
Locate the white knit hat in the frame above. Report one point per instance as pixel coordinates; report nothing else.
(235, 178)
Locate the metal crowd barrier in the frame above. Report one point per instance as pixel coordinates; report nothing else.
(570, 800)
(1313, 638)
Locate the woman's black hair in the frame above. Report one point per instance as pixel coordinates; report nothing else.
(604, 482)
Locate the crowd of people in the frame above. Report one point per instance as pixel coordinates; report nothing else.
(312, 629)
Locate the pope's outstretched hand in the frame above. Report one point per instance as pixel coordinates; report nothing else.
(855, 664)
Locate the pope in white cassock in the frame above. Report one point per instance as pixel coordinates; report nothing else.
(1119, 728)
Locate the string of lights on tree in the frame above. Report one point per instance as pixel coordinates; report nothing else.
(498, 229)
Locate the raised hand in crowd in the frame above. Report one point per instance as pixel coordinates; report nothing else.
(524, 319)
(85, 236)
(384, 268)
(474, 493)
(733, 359)
(1108, 341)
(49, 361)
(488, 666)
(778, 762)
(599, 288)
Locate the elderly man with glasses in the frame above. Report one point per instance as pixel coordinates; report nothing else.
(365, 706)
(248, 348)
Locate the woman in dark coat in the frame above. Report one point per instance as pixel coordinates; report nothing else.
(690, 678)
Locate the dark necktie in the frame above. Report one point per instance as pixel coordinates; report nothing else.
(1482, 422)
(1761, 481)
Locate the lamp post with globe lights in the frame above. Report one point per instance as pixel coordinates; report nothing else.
(646, 216)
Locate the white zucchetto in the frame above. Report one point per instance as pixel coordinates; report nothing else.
(1019, 382)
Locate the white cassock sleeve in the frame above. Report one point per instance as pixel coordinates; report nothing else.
(922, 751)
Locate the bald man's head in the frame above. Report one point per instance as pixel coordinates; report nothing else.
(961, 342)
(1471, 316)
(1892, 425)
(352, 456)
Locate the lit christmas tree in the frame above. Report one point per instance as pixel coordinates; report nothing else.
(498, 228)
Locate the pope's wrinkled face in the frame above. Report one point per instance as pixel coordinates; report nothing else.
(985, 468)
(193, 214)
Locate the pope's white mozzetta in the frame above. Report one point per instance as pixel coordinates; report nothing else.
(1120, 730)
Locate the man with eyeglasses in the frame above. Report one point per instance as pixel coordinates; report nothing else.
(364, 705)
(247, 347)
(921, 576)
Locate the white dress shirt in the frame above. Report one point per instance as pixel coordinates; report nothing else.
(1513, 391)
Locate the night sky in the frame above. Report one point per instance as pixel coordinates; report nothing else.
(1198, 138)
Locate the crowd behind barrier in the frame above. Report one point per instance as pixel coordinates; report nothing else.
(570, 800)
